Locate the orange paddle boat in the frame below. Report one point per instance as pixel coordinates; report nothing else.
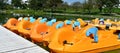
(12, 25)
(83, 23)
(88, 40)
(24, 28)
(38, 32)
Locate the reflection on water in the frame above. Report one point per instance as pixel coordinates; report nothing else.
(4, 17)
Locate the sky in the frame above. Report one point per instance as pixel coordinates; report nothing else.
(68, 1)
(71, 1)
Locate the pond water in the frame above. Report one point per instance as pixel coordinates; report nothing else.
(4, 17)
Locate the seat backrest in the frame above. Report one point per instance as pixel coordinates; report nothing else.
(59, 25)
(49, 23)
(93, 31)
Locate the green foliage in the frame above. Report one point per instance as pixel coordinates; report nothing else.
(109, 4)
(3, 4)
(58, 6)
(54, 3)
(41, 4)
(76, 5)
(17, 3)
(37, 4)
(89, 5)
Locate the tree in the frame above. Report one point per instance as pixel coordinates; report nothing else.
(16, 3)
(88, 5)
(109, 4)
(3, 4)
(24, 4)
(64, 6)
(40, 4)
(100, 4)
(76, 5)
(54, 3)
(37, 4)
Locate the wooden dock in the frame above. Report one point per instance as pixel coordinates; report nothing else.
(12, 43)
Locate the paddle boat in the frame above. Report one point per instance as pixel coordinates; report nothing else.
(12, 25)
(90, 40)
(82, 23)
(41, 30)
(24, 27)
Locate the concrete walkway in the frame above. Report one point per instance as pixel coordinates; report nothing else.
(12, 43)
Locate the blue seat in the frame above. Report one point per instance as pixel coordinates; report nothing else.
(68, 22)
(76, 23)
(43, 20)
(53, 20)
(93, 31)
(26, 18)
(32, 20)
(101, 19)
(119, 35)
(59, 25)
(49, 23)
(31, 17)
